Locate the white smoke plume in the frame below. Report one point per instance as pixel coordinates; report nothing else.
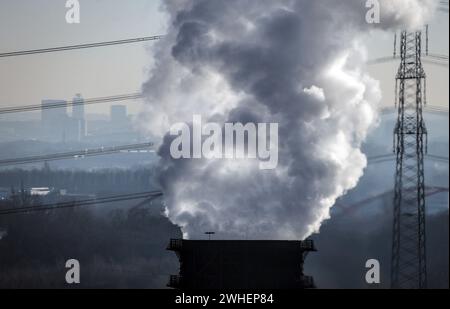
(298, 63)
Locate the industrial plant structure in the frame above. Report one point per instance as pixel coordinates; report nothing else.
(241, 264)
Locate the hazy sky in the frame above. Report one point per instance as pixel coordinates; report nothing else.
(26, 24)
(382, 45)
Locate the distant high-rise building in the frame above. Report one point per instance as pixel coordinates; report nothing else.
(54, 120)
(78, 111)
(78, 116)
(52, 110)
(119, 114)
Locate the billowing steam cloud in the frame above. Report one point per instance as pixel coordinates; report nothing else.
(293, 62)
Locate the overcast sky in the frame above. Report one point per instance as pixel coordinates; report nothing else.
(114, 70)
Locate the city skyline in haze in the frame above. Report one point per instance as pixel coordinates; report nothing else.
(94, 72)
(123, 69)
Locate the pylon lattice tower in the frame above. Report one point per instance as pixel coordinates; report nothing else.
(409, 269)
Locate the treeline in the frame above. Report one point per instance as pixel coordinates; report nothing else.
(107, 180)
(124, 249)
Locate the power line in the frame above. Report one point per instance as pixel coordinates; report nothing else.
(80, 46)
(443, 6)
(63, 104)
(437, 111)
(437, 158)
(435, 62)
(74, 154)
(391, 157)
(434, 59)
(438, 56)
(88, 202)
(381, 60)
(428, 109)
(346, 209)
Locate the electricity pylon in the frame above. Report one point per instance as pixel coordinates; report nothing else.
(409, 269)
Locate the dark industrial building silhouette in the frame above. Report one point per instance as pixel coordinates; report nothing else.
(241, 264)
